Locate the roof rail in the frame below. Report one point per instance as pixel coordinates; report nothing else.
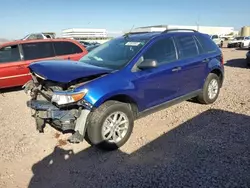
(169, 30)
(136, 32)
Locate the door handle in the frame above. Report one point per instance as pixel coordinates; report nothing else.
(68, 58)
(205, 60)
(176, 69)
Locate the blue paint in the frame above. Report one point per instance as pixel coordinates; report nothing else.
(65, 71)
(146, 88)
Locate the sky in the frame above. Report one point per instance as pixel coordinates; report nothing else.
(21, 17)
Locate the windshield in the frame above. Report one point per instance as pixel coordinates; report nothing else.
(114, 54)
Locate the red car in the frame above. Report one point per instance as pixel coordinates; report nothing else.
(16, 56)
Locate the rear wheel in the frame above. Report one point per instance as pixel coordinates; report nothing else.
(110, 125)
(210, 90)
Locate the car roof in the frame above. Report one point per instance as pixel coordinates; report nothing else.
(15, 42)
(142, 35)
(151, 35)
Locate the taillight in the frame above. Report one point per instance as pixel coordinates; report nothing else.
(222, 60)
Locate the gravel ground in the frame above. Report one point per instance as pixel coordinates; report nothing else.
(187, 145)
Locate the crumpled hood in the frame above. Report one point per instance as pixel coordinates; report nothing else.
(65, 71)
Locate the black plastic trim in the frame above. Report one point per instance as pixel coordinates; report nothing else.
(167, 104)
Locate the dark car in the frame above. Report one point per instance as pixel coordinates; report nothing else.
(85, 44)
(100, 96)
(92, 47)
(248, 58)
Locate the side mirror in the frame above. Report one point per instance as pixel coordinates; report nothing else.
(148, 64)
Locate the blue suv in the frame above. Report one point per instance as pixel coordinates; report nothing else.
(99, 97)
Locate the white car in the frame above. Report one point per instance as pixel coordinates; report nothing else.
(245, 44)
(35, 36)
(217, 40)
(239, 42)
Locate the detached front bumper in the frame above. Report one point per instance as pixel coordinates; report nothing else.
(46, 112)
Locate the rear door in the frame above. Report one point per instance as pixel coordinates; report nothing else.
(11, 62)
(193, 67)
(33, 52)
(67, 50)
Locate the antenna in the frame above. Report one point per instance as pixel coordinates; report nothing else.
(197, 22)
(131, 28)
(126, 34)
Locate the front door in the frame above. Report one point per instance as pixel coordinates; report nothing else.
(12, 71)
(158, 85)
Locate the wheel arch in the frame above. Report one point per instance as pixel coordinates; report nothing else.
(125, 98)
(219, 73)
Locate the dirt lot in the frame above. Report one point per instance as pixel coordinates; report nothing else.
(186, 145)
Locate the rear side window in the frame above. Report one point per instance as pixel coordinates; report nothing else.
(38, 50)
(9, 54)
(186, 46)
(206, 43)
(66, 48)
(162, 50)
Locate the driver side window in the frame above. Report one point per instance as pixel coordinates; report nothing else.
(163, 51)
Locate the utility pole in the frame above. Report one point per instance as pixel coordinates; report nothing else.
(197, 23)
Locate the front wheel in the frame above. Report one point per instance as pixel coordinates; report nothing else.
(110, 125)
(211, 90)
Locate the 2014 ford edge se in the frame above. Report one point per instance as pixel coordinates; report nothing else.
(99, 97)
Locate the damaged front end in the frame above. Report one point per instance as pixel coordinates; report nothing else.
(58, 105)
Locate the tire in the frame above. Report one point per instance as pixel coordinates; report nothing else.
(95, 124)
(203, 97)
(248, 62)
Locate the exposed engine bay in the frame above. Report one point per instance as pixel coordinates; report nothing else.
(45, 111)
(39, 86)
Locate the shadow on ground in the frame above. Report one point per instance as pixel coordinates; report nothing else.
(12, 89)
(240, 63)
(243, 49)
(210, 150)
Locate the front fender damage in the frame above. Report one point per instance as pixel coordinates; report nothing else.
(70, 118)
(80, 127)
(65, 120)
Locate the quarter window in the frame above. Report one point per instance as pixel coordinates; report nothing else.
(38, 50)
(163, 51)
(187, 46)
(66, 48)
(207, 44)
(9, 54)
